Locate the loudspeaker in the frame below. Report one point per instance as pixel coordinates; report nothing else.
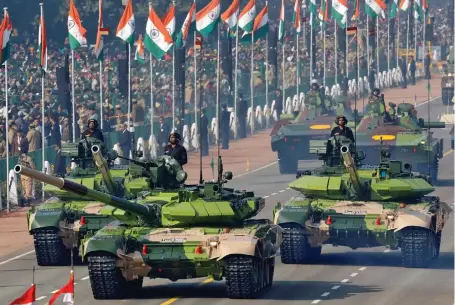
(123, 76)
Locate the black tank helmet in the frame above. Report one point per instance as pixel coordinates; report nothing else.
(95, 123)
(315, 86)
(176, 135)
(376, 92)
(343, 117)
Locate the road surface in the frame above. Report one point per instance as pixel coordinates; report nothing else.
(341, 277)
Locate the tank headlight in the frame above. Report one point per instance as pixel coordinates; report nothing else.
(213, 243)
(422, 142)
(390, 217)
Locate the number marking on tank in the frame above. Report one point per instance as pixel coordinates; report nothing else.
(355, 212)
(173, 240)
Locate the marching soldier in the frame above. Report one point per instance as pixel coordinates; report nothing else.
(27, 183)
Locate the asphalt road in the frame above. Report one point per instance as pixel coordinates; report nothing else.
(342, 276)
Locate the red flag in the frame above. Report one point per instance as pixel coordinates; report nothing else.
(67, 291)
(28, 298)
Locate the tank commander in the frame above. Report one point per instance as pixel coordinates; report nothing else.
(175, 150)
(375, 103)
(341, 129)
(93, 130)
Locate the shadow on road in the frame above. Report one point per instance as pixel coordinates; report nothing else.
(444, 183)
(281, 290)
(379, 259)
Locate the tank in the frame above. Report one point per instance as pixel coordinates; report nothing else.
(447, 79)
(55, 223)
(344, 203)
(452, 138)
(405, 135)
(289, 137)
(199, 231)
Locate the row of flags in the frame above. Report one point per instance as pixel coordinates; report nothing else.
(67, 291)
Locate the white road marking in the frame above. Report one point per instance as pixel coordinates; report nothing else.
(345, 281)
(273, 194)
(282, 191)
(426, 102)
(54, 291)
(288, 188)
(335, 287)
(41, 298)
(353, 274)
(266, 197)
(315, 301)
(325, 294)
(363, 268)
(85, 278)
(16, 257)
(387, 250)
(255, 170)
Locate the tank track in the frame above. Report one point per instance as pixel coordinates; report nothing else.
(107, 281)
(417, 248)
(435, 171)
(49, 248)
(295, 248)
(248, 277)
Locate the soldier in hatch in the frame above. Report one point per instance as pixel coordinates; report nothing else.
(341, 129)
(313, 100)
(375, 103)
(175, 150)
(93, 130)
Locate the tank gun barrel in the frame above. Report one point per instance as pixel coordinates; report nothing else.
(432, 124)
(351, 168)
(78, 189)
(101, 164)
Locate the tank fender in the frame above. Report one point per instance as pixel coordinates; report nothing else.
(251, 245)
(411, 218)
(46, 217)
(287, 215)
(109, 239)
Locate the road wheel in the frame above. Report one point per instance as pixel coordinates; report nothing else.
(244, 276)
(295, 248)
(106, 279)
(49, 248)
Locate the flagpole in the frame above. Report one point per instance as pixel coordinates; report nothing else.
(398, 37)
(324, 55)
(267, 70)
(283, 72)
(346, 57)
(129, 85)
(336, 53)
(388, 44)
(195, 80)
(423, 34)
(42, 107)
(101, 94)
(311, 48)
(376, 48)
(298, 63)
(7, 127)
(358, 60)
(152, 110)
(72, 96)
(368, 47)
(218, 125)
(252, 82)
(235, 75)
(173, 81)
(415, 43)
(407, 39)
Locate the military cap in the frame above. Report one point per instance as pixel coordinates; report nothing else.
(32, 126)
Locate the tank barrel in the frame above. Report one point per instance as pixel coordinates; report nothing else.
(434, 125)
(351, 168)
(78, 189)
(101, 164)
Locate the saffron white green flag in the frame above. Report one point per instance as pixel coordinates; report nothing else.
(140, 54)
(246, 18)
(340, 12)
(76, 32)
(404, 5)
(157, 39)
(42, 45)
(418, 12)
(208, 17)
(374, 8)
(393, 9)
(281, 25)
(231, 15)
(126, 26)
(296, 16)
(260, 27)
(169, 21)
(188, 27)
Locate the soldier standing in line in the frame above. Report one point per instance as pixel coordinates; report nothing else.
(225, 119)
(412, 69)
(27, 183)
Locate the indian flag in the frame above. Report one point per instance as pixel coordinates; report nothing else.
(139, 56)
(296, 16)
(28, 298)
(373, 8)
(393, 9)
(260, 28)
(76, 32)
(188, 26)
(230, 16)
(208, 17)
(418, 12)
(125, 29)
(246, 19)
(313, 9)
(281, 26)
(356, 11)
(340, 12)
(5, 32)
(67, 291)
(424, 5)
(157, 39)
(404, 5)
(169, 21)
(42, 44)
(323, 13)
(99, 36)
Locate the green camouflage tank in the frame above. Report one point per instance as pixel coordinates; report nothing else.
(290, 138)
(196, 231)
(343, 205)
(403, 133)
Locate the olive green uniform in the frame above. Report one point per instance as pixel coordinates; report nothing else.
(27, 183)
